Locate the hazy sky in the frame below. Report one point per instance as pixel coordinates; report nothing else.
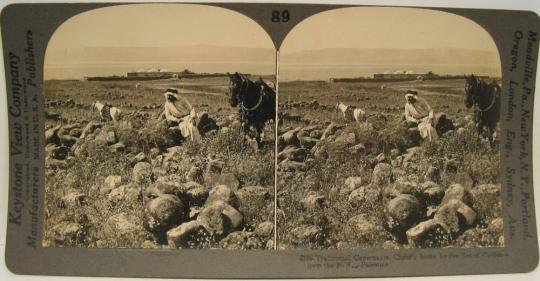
(157, 25)
(386, 27)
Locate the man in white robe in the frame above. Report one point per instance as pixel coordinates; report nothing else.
(179, 112)
(418, 113)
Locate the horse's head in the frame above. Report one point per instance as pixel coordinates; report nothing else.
(235, 85)
(471, 84)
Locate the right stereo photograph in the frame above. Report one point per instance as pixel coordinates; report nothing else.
(388, 132)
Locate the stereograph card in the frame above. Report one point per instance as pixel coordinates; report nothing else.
(269, 140)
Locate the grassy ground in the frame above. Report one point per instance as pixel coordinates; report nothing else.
(85, 174)
(476, 163)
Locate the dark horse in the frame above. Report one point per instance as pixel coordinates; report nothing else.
(486, 99)
(256, 102)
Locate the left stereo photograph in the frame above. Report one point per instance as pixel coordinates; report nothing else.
(160, 129)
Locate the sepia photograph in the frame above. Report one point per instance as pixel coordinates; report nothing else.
(160, 130)
(388, 132)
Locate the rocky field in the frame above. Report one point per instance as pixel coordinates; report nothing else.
(128, 184)
(343, 185)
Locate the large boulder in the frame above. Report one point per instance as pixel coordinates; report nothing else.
(403, 212)
(164, 213)
(220, 218)
(428, 234)
(455, 215)
(188, 235)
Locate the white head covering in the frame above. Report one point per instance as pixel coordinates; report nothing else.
(410, 94)
(171, 92)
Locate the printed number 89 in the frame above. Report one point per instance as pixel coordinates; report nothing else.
(282, 16)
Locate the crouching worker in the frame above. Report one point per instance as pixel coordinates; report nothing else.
(418, 114)
(180, 115)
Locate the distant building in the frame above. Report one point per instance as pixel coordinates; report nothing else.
(405, 75)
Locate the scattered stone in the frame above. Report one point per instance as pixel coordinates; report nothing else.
(142, 173)
(428, 234)
(394, 153)
(68, 233)
(73, 198)
(359, 149)
(293, 153)
(433, 174)
(56, 152)
(362, 230)
(214, 166)
(382, 174)
(265, 230)
(90, 128)
(314, 201)
(163, 213)
(306, 235)
(403, 212)
(291, 166)
(112, 182)
(253, 195)
(432, 192)
(194, 174)
(126, 192)
(195, 193)
(241, 240)
(487, 201)
(222, 193)
(346, 139)
(117, 147)
(458, 192)
(187, 235)
(308, 142)
(330, 130)
(365, 197)
(140, 157)
(455, 215)
(220, 218)
(227, 179)
(121, 225)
